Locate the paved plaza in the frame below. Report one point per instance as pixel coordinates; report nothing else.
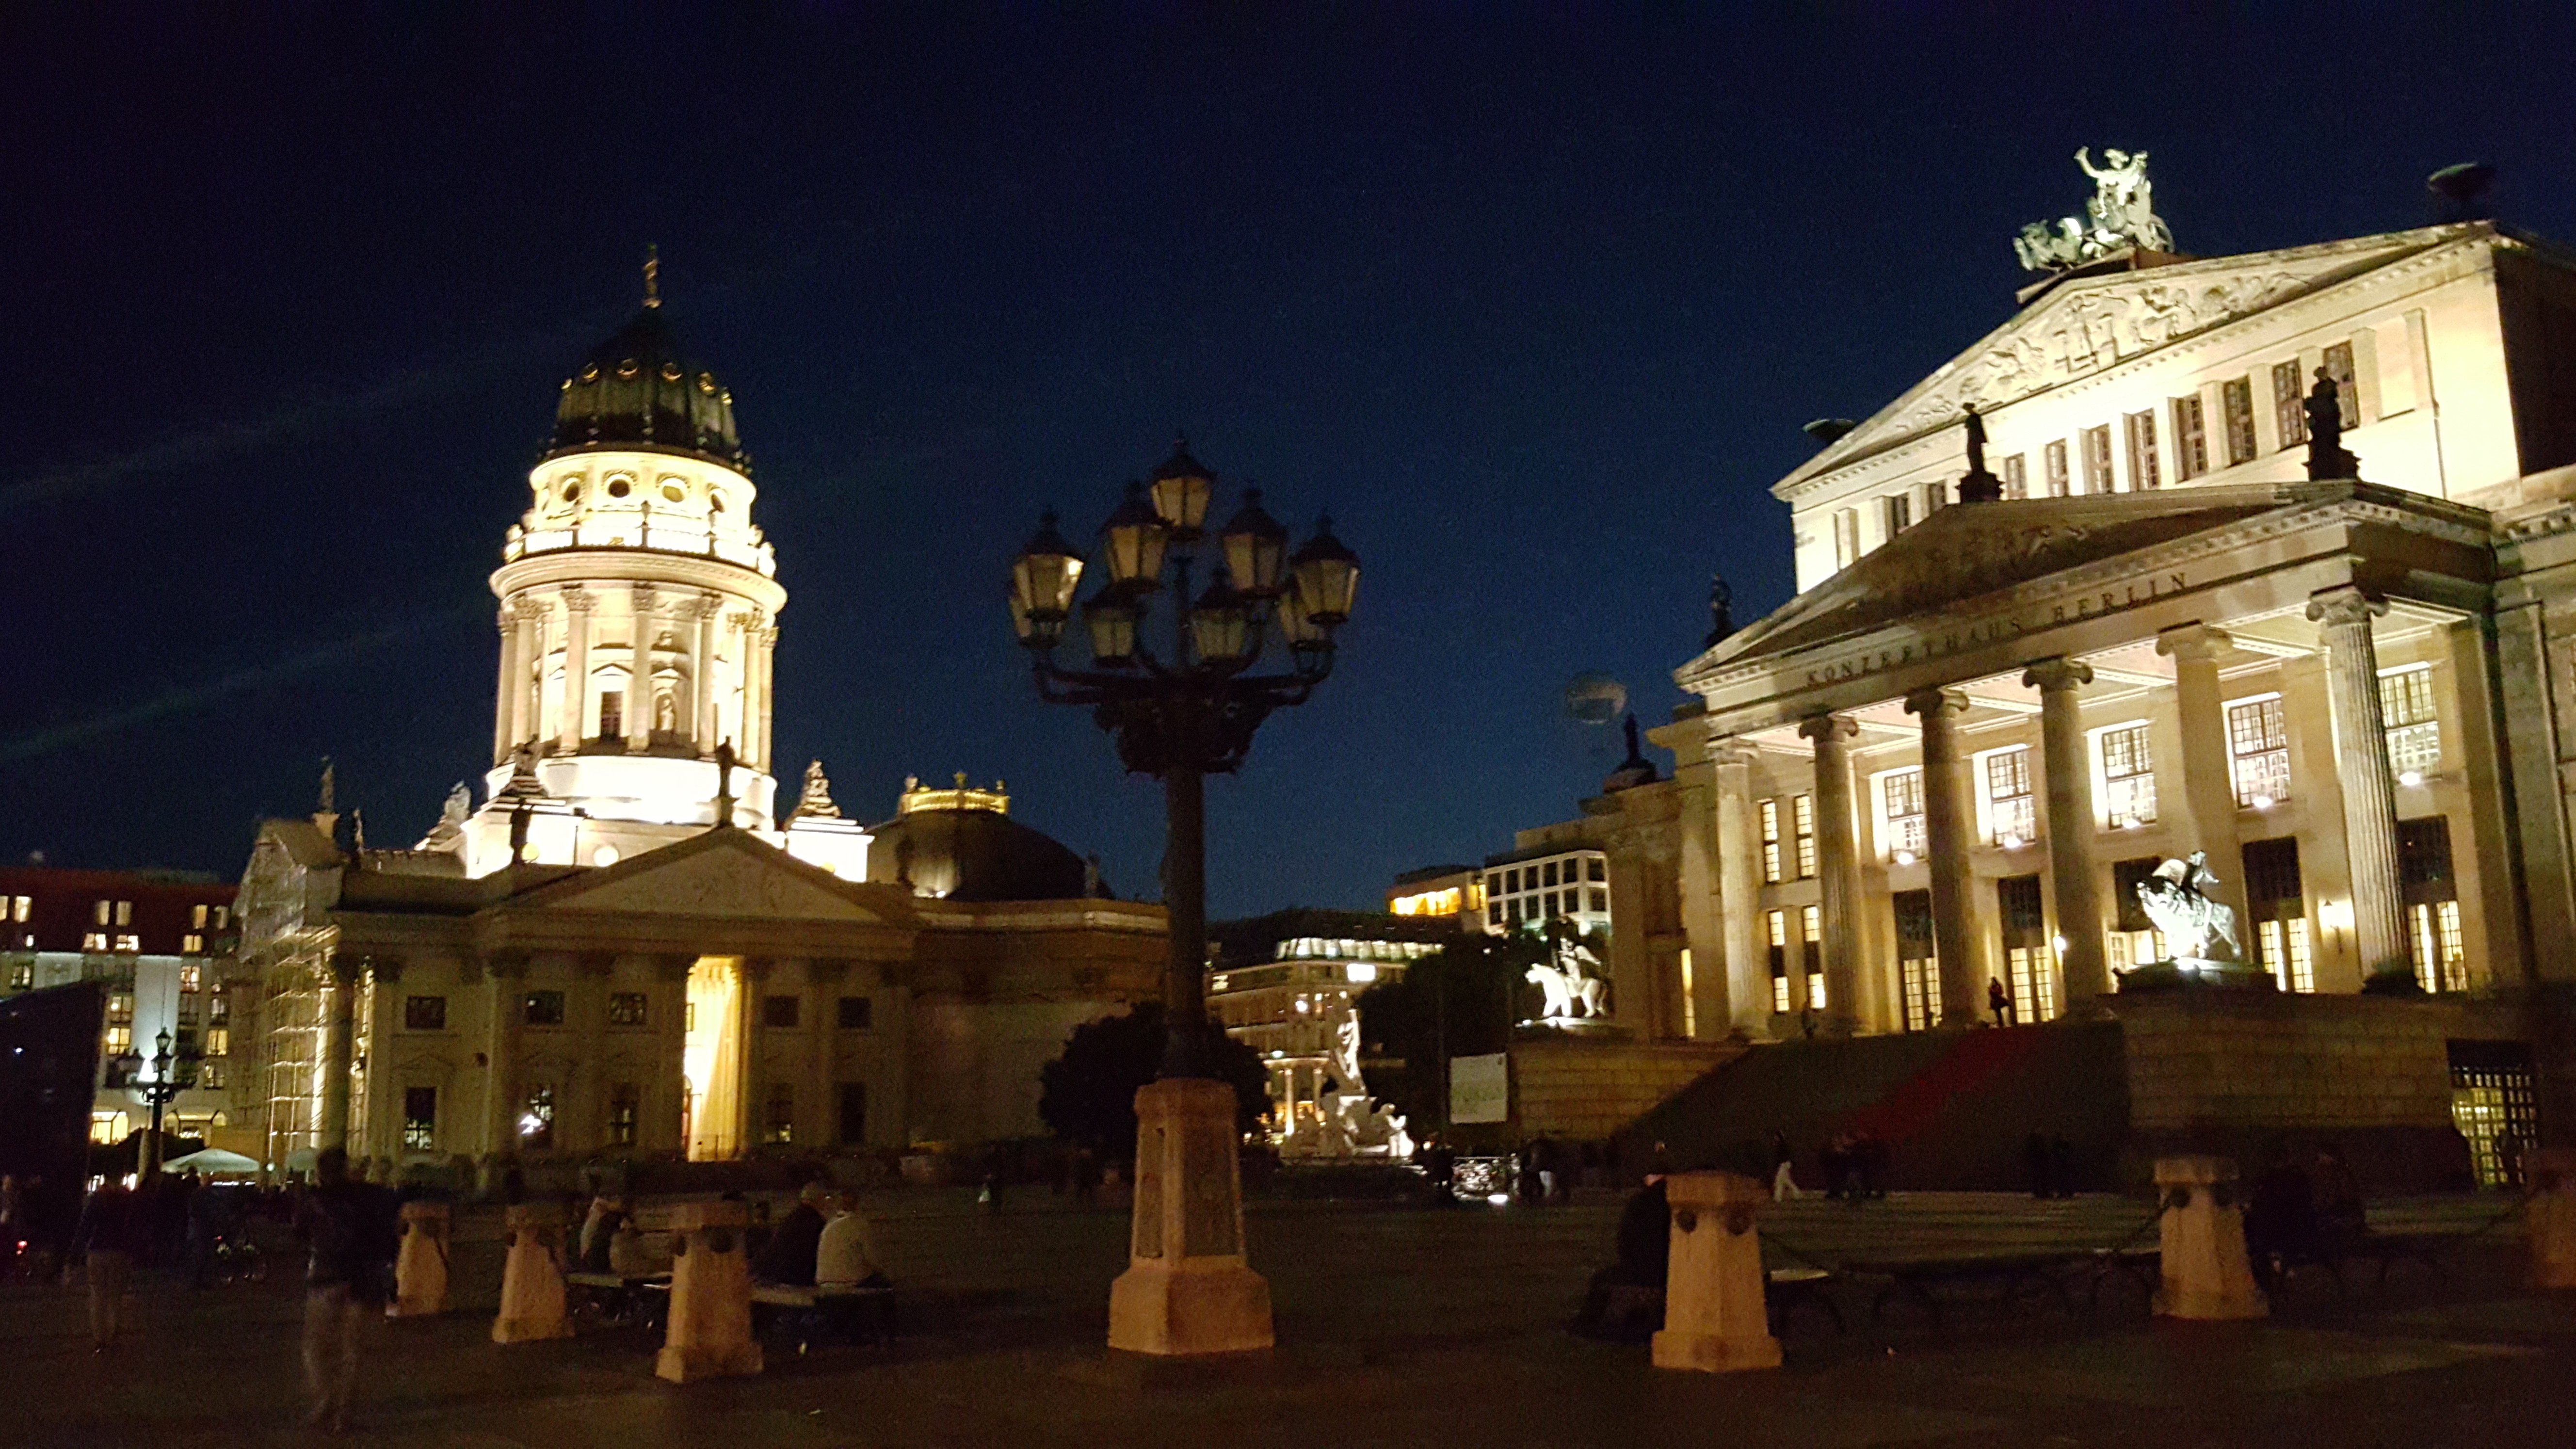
(1398, 1326)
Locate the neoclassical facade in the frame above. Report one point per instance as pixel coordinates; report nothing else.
(626, 948)
(1949, 761)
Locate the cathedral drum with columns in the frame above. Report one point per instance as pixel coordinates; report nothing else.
(626, 949)
(2230, 596)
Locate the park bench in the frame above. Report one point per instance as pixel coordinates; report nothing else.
(811, 1311)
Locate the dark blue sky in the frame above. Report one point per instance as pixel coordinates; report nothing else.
(1534, 299)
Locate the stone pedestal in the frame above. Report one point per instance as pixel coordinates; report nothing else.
(420, 1268)
(710, 1331)
(532, 1285)
(2206, 1272)
(1187, 1289)
(1714, 1317)
(2550, 1220)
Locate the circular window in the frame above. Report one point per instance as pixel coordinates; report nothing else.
(572, 493)
(619, 487)
(671, 493)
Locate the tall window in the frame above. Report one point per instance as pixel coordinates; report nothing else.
(2289, 419)
(2028, 962)
(1918, 971)
(1779, 923)
(420, 1119)
(2406, 711)
(2338, 364)
(2128, 777)
(624, 1102)
(2236, 400)
(2097, 459)
(2279, 908)
(2432, 898)
(2143, 470)
(2191, 438)
(1771, 863)
(2259, 743)
(1898, 512)
(2055, 455)
(1802, 809)
(1904, 812)
(780, 1129)
(1846, 537)
(2017, 476)
(1811, 922)
(2011, 816)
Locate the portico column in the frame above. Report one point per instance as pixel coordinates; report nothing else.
(702, 660)
(2208, 817)
(639, 670)
(1838, 867)
(2361, 761)
(576, 691)
(505, 695)
(2070, 826)
(1739, 891)
(1949, 828)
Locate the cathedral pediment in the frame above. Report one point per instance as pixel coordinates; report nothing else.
(2087, 324)
(722, 873)
(1970, 551)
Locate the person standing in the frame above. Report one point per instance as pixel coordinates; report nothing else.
(105, 1238)
(349, 1229)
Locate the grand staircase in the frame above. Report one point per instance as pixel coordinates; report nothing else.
(1955, 1108)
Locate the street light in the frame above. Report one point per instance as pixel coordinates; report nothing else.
(1179, 712)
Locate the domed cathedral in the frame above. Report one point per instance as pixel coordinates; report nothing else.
(627, 949)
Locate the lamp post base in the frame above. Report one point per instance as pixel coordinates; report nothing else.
(1187, 1289)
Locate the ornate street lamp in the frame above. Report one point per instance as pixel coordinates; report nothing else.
(1180, 711)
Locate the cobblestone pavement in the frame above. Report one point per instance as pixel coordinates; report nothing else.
(1399, 1326)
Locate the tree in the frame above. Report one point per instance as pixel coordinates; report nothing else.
(1460, 1001)
(1088, 1095)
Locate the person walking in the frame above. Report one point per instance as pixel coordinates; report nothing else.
(105, 1238)
(349, 1229)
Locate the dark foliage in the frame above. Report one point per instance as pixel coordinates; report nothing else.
(1088, 1095)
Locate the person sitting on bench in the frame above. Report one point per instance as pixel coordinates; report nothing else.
(845, 1256)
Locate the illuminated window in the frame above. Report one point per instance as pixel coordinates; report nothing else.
(1771, 841)
(2011, 815)
(2191, 437)
(2236, 401)
(2097, 459)
(2144, 472)
(626, 1008)
(420, 1119)
(1779, 923)
(2338, 362)
(2258, 742)
(2055, 456)
(1803, 815)
(2289, 419)
(2016, 476)
(1903, 792)
(425, 1013)
(2128, 777)
(2406, 710)
(780, 1129)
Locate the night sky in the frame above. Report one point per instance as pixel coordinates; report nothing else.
(1533, 300)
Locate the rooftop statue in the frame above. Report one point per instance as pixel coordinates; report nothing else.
(2121, 216)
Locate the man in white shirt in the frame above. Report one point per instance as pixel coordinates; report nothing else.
(846, 1256)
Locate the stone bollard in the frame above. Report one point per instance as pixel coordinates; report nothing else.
(1188, 1289)
(532, 1285)
(2550, 1219)
(420, 1269)
(2206, 1272)
(710, 1334)
(1715, 1319)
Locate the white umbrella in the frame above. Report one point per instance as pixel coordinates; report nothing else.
(211, 1161)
